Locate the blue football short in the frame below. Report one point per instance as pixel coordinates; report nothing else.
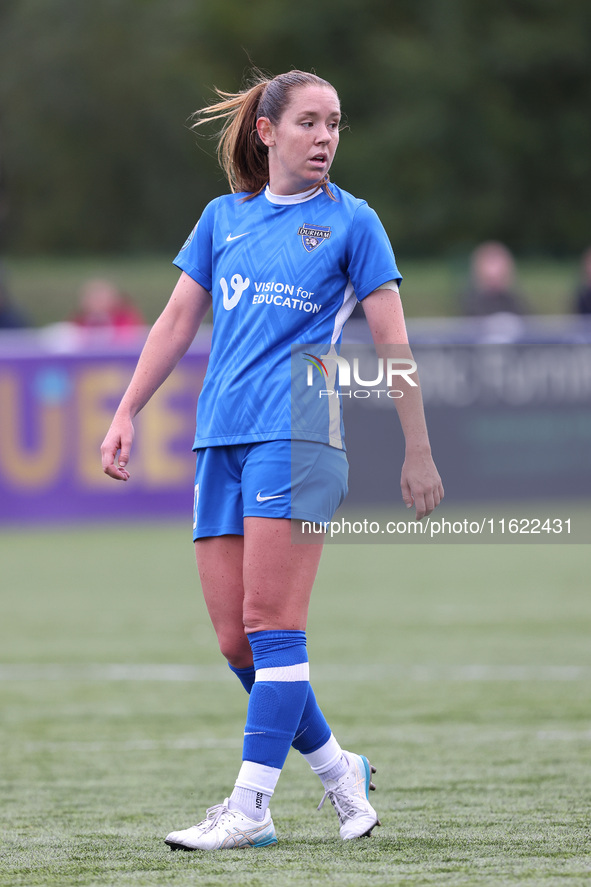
(298, 479)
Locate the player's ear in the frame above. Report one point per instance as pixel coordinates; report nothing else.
(265, 130)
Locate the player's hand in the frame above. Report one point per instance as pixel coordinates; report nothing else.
(420, 484)
(119, 440)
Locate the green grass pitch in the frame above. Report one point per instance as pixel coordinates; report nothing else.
(462, 671)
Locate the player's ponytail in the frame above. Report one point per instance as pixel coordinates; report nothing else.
(241, 154)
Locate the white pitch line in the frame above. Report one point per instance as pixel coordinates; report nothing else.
(116, 672)
(462, 673)
(459, 736)
(564, 735)
(346, 672)
(185, 744)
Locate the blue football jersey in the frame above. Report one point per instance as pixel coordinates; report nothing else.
(285, 273)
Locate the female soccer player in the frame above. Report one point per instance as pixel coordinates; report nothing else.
(284, 259)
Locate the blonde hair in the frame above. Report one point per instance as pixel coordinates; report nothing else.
(241, 154)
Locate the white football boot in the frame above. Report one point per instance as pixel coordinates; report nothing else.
(224, 829)
(349, 797)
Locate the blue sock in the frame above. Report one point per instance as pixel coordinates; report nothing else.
(278, 695)
(244, 675)
(313, 730)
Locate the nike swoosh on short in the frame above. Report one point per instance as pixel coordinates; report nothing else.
(229, 238)
(265, 498)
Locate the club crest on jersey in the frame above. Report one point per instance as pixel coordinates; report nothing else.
(313, 236)
(189, 238)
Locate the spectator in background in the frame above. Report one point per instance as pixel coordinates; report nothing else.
(3, 200)
(11, 318)
(104, 307)
(492, 288)
(583, 294)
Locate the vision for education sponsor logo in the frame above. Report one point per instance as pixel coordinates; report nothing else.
(285, 295)
(268, 292)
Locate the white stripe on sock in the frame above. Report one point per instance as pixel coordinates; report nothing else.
(284, 673)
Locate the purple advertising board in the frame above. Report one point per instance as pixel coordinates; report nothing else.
(509, 422)
(55, 409)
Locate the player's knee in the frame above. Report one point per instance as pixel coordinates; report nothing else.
(236, 649)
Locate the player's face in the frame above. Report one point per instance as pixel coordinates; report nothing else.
(303, 144)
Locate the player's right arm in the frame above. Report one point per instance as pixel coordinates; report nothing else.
(169, 339)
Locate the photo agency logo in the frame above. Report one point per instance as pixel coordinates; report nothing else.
(360, 377)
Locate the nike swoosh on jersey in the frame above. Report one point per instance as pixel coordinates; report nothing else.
(266, 498)
(229, 238)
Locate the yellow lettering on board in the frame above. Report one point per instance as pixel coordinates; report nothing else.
(23, 466)
(162, 425)
(95, 386)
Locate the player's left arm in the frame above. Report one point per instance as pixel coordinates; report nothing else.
(420, 482)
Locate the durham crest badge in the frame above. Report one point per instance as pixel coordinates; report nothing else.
(313, 236)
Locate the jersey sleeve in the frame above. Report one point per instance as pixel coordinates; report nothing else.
(195, 256)
(371, 258)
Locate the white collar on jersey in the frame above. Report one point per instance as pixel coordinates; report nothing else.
(289, 199)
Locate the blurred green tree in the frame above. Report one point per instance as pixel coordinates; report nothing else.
(468, 119)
